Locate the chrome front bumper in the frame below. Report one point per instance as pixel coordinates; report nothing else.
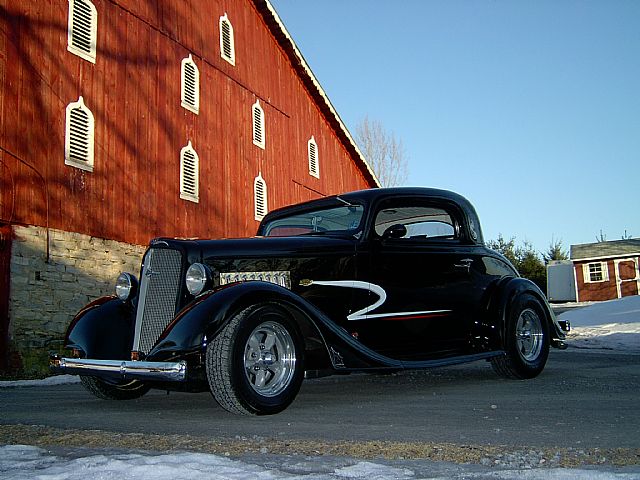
(159, 371)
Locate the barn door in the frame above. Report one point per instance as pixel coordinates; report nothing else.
(627, 277)
(5, 259)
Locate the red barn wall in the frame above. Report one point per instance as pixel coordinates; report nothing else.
(71, 231)
(133, 91)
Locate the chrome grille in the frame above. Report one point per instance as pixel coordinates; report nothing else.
(279, 278)
(159, 288)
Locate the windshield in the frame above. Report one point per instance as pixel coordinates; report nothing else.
(341, 219)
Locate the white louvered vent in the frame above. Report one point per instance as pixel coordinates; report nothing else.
(190, 85)
(82, 29)
(258, 124)
(78, 141)
(189, 174)
(260, 197)
(227, 43)
(314, 165)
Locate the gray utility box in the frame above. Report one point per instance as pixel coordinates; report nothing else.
(561, 281)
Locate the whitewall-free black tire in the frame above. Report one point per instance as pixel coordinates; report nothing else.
(255, 364)
(114, 390)
(526, 341)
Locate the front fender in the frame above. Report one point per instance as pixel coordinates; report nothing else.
(326, 344)
(203, 319)
(103, 330)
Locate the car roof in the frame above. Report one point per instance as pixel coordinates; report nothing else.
(375, 193)
(372, 195)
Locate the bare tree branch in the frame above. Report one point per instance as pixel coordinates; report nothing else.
(384, 152)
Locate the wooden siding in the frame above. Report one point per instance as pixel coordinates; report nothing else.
(623, 279)
(133, 91)
(596, 291)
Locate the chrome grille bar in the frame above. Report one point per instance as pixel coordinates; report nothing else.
(282, 278)
(159, 289)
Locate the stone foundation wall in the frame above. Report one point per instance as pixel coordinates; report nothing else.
(46, 294)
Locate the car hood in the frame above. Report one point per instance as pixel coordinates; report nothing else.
(259, 247)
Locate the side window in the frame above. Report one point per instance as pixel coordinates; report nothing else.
(415, 222)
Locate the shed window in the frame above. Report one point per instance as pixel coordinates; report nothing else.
(227, 44)
(258, 124)
(189, 176)
(595, 272)
(190, 85)
(312, 150)
(78, 141)
(82, 29)
(260, 197)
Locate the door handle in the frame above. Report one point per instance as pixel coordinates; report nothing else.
(464, 264)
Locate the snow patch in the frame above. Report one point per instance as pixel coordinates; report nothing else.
(373, 471)
(55, 380)
(24, 462)
(612, 325)
(19, 462)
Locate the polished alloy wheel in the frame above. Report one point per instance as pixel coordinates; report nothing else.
(529, 335)
(269, 359)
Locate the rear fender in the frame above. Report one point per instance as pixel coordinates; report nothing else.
(507, 290)
(103, 330)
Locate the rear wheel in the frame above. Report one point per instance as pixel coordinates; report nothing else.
(526, 342)
(114, 390)
(255, 365)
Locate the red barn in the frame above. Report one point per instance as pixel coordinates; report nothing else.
(122, 121)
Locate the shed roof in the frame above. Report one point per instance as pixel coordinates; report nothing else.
(613, 248)
(310, 81)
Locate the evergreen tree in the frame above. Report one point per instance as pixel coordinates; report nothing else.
(506, 248)
(531, 266)
(555, 252)
(524, 258)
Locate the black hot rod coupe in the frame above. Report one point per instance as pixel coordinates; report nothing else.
(375, 280)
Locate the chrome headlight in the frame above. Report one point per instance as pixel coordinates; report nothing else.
(197, 278)
(126, 286)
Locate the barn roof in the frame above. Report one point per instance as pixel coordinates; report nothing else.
(614, 248)
(312, 84)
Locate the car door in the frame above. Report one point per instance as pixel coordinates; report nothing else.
(419, 271)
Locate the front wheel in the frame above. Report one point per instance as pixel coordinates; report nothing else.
(114, 390)
(255, 364)
(527, 340)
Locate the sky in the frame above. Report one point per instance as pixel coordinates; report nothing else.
(530, 109)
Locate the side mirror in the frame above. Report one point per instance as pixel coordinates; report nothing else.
(395, 231)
